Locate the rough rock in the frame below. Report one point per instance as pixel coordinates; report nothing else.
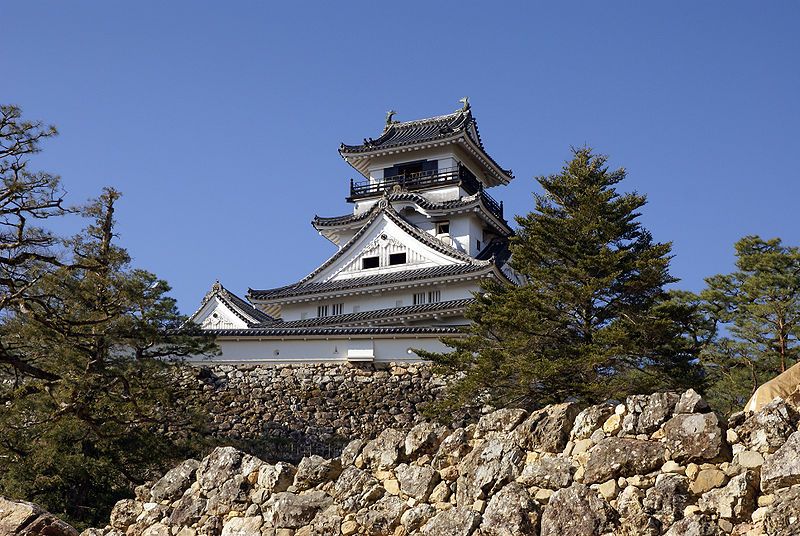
(551, 472)
(453, 522)
(356, 489)
(691, 402)
(416, 481)
(174, 482)
(24, 518)
(782, 468)
(699, 525)
(694, 437)
(782, 517)
(124, 514)
(706, 480)
(735, 502)
(351, 451)
(415, 517)
(275, 478)
(384, 451)
(666, 500)
(383, 516)
(452, 449)
(766, 430)
(547, 429)
(424, 438)
(503, 421)
(658, 407)
(313, 470)
(188, 510)
(590, 419)
(576, 511)
(486, 469)
(511, 512)
(242, 526)
(621, 456)
(287, 510)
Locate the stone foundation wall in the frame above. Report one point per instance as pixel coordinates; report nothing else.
(286, 412)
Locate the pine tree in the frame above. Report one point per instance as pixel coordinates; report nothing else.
(86, 390)
(594, 319)
(758, 307)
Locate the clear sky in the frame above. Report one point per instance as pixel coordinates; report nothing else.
(220, 121)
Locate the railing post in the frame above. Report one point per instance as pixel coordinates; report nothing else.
(501, 209)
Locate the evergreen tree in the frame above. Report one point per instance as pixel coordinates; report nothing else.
(593, 320)
(85, 340)
(758, 307)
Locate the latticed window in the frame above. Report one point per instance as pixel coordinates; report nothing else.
(434, 296)
(338, 308)
(322, 310)
(419, 298)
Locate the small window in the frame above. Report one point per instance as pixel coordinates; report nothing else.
(479, 245)
(338, 308)
(369, 262)
(322, 310)
(443, 228)
(419, 298)
(434, 296)
(397, 258)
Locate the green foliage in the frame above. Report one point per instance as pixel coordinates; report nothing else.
(86, 392)
(758, 307)
(593, 320)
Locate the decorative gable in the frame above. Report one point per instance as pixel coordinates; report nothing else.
(215, 314)
(387, 244)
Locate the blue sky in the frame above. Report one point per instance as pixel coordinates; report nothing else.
(220, 121)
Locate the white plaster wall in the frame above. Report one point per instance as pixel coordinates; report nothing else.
(379, 299)
(467, 230)
(275, 350)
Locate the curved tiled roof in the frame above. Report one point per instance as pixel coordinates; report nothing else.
(334, 331)
(241, 308)
(405, 276)
(379, 314)
(432, 129)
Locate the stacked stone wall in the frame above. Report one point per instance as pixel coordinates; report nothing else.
(286, 412)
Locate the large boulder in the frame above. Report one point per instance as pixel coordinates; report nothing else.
(313, 470)
(547, 430)
(453, 522)
(287, 510)
(691, 402)
(782, 517)
(275, 478)
(225, 477)
(383, 516)
(415, 517)
(550, 472)
(174, 482)
(242, 526)
(696, 437)
(658, 408)
(424, 438)
(666, 500)
(782, 468)
(19, 517)
(356, 489)
(452, 449)
(124, 514)
(697, 525)
(500, 421)
(511, 512)
(622, 456)
(767, 429)
(735, 502)
(385, 451)
(590, 419)
(486, 469)
(189, 509)
(416, 481)
(576, 511)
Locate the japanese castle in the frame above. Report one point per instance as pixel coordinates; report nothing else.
(422, 233)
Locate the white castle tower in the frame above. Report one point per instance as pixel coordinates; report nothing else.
(422, 234)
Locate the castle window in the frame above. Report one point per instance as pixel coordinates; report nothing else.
(397, 258)
(434, 296)
(419, 298)
(443, 227)
(369, 262)
(338, 308)
(322, 310)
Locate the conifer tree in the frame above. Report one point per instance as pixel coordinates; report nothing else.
(86, 392)
(593, 320)
(758, 305)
